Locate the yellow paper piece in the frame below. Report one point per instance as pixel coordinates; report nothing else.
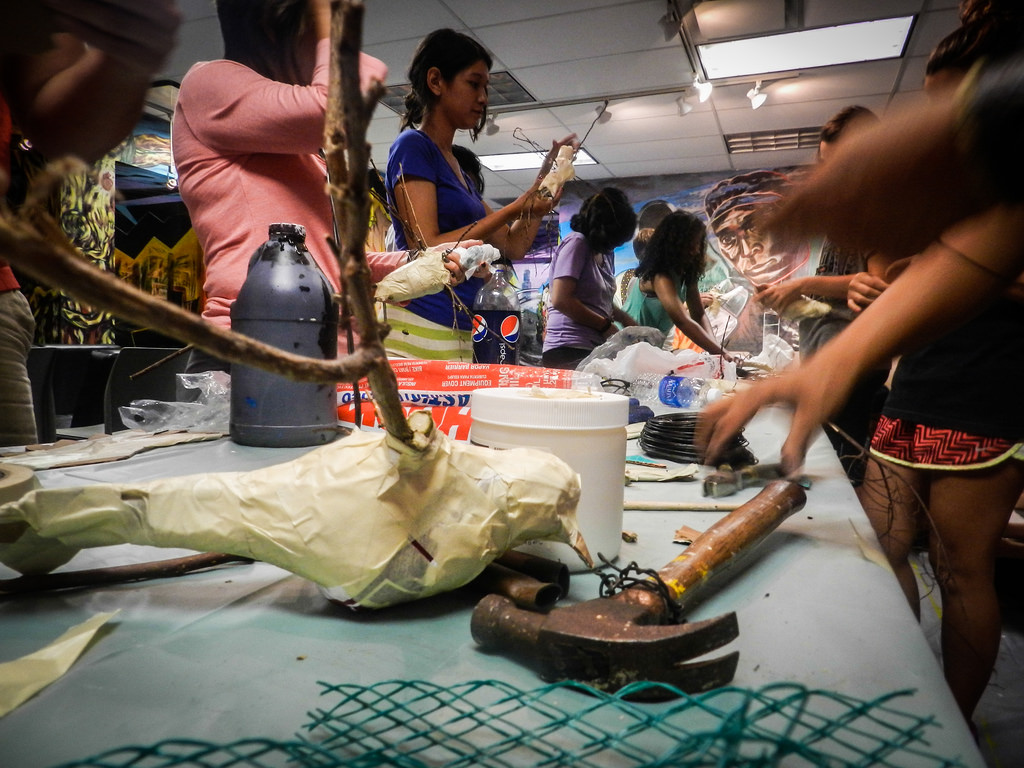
(23, 678)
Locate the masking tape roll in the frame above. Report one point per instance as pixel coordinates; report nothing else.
(15, 482)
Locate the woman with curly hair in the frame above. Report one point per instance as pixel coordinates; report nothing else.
(581, 313)
(669, 269)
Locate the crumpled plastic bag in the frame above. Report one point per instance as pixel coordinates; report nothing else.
(627, 355)
(623, 339)
(210, 412)
(371, 520)
(775, 355)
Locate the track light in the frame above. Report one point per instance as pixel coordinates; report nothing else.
(603, 115)
(703, 87)
(757, 96)
(491, 127)
(685, 107)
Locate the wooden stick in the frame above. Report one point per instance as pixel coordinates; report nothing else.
(118, 574)
(681, 506)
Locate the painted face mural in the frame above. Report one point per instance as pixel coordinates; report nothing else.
(736, 209)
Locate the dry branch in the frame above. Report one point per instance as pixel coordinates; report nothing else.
(348, 158)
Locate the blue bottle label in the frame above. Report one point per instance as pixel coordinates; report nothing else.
(496, 336)
(675, 391)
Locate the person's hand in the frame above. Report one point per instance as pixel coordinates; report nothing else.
(371, 70)
(139, 35)
(532, 203)
(570, 140)
(456, 274)
(814, 398)
(864, 289)
(780, 295)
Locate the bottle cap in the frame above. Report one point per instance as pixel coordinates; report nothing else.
(284, 228)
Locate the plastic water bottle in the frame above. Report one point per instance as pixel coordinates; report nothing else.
(286, 302)
(676, 391)
(497, 320)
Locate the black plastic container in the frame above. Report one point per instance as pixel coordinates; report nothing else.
(285, 302)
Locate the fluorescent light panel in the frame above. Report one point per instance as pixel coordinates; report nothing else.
(521, 161)
(863, 41)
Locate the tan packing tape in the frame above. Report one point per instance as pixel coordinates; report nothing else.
(15, 482)
(20, 548)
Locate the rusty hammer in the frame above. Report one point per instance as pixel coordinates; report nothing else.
(610, 642)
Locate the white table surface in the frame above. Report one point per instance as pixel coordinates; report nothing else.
(237, 652)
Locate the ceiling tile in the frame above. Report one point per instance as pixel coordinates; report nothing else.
(828, 13)
(740, 18)
(390, 20)
(602, 76)
(481, 14)
(626, 28)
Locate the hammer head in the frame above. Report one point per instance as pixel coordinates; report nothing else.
(610, 642)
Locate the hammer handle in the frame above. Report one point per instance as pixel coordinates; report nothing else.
(719, 546)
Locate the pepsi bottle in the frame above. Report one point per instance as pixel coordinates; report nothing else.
(496, 320)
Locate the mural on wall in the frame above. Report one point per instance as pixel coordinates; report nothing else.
(156, 248)
(84, 206)
(740, 255)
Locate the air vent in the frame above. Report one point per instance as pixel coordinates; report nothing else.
(770, 141)
(503, 91)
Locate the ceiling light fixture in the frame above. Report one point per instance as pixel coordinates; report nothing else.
(532, 160)
(757, 96)
(807, 48)
(703, 87)
(491, 127)
(685, 107)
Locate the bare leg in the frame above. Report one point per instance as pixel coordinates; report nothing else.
(892, 499)
(969, 511)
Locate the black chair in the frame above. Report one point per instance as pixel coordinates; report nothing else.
(68, 382)
(40, 373)
(133, 378)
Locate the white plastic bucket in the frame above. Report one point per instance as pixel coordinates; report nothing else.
(587, 431)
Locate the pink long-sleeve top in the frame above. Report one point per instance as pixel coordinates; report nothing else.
(247, 154)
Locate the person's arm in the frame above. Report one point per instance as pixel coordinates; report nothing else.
(85, 94)
(782, 294)
(416, 201)
(951, 281)
(234, 110)
(667, 291)
(511, 229)
(867, 286)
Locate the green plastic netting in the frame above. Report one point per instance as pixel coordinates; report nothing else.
(416, 724)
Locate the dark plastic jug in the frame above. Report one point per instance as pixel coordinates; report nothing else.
(286, 302)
